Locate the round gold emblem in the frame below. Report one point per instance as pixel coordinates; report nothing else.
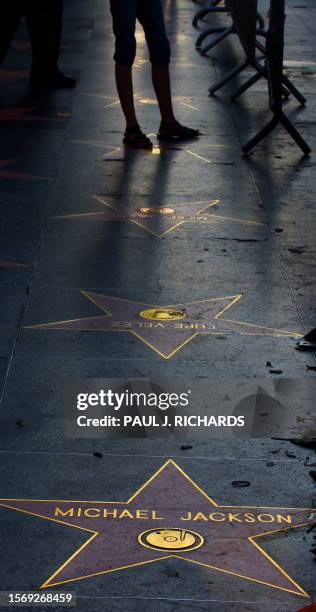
(163, 210)
(162, 314)
(171, 539)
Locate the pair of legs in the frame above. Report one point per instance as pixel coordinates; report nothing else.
(149, 13)
(44, 24)
(161, 84)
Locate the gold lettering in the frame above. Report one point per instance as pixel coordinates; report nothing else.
(200, 517)
(284, 519)
(107, 513)
(155, 517)
(125, 514)
(95, 512)
(219, 514)
(186, 518)
(249, 517)
(59, 512)
(266, 518)
(234, 517)
(142, 514)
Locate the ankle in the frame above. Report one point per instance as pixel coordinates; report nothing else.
(168, 121)
(131, 125)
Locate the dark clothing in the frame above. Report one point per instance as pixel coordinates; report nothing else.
(150, 15)
(44, 22)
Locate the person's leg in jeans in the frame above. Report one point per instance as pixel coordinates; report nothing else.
(44, 23)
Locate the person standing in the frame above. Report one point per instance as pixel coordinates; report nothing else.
(44, 24)
(149, 13)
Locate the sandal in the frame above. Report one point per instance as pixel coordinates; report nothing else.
(176, 132)
(308, 343)
(135, 138)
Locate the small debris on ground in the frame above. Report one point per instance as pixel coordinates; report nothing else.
(99, 455)
(297, 250)
(239, 484)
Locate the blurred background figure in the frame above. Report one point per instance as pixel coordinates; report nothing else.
(309, 342)
(44, 23)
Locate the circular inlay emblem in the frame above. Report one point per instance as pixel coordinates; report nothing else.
(163, 210)
(171, 539)
(162, 314)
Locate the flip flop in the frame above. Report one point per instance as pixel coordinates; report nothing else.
(175, 132)
(136, 139)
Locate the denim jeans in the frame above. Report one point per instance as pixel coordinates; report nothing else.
(150, 15)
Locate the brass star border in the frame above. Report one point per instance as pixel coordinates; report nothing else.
(117, 531)
(158, 220)
(164, 329)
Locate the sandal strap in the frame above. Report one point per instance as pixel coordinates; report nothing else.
(134, 134)
(177, 130)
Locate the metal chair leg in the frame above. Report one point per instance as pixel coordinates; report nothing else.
(207, 33)
(278, 118)
(217, 40)
(260, 21)
(205, 11)
(230, 75)
(297, 94)
(254, 79)
(284, 120)
(266, 130)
